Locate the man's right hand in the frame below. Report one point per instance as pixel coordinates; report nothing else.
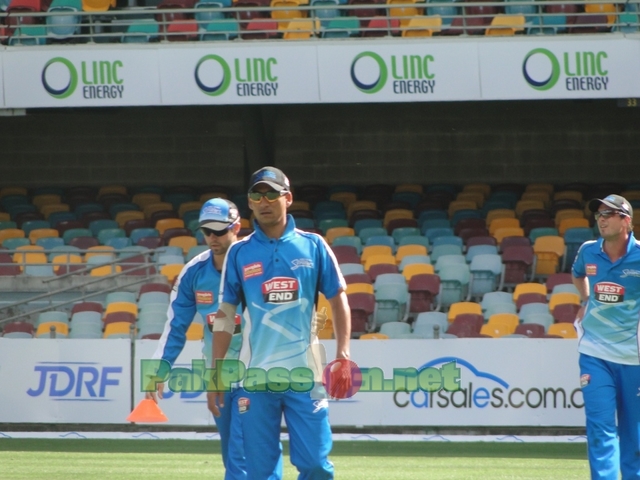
(215, 401)
(153, 396)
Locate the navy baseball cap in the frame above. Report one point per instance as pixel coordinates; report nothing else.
(218, 214)
(272, 176)
(615, 202)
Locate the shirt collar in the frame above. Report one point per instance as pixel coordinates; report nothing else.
(288, 230)
(630, 244)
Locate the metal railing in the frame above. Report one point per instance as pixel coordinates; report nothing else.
(135, 25)
(148, 268)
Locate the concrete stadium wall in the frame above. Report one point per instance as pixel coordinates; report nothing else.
(525, 141)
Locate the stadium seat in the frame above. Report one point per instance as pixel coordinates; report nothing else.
(362, 306)
(506, 25)
(391, 303)
(564, 330)
(549, 251)
(395, 329)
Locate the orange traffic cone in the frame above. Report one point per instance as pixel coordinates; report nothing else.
(147, 411)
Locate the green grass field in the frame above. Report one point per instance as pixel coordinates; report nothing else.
(182, 459)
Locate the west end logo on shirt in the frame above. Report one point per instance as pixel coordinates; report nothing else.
(280, 290)
(203, 297)
(592, 269)
(609, 292)
(252, 270)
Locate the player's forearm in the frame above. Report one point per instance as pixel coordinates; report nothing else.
(223, 327)
(341, 324)
(220, 345)
(582, 284)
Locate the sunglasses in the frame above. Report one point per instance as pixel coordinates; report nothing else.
(608, 214)
(218, 233)
(271, 196)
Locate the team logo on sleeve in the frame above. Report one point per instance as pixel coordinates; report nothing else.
(252, 270)
(243, 404)
(592, 269)
(608, 292)
(280, 290)
(204, 297)
(584, 380)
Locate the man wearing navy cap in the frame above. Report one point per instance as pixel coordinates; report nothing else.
(607, 274)
(196, 291)
(277, 272)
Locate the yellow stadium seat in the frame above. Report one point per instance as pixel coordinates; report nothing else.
(29, 254)
(405, 250)
(568, 195)
(171, 271)
(336, 232)
(568, 213)
(477, 197)
(463, 307)
(361, 205)
(195, 331)
(359, 288)
(374, 336)
(49, 208)
(524, 205)
(97, 5)
(499, 213)
(346, 198)
(456, 205)
(102, 271)
(44, 329)
(548, 250)
(184, 242)
(375, 250)
(188, 206)
(166, 223)
(421, 26)
(297, 29)
(145, 198)
(124, 217)
(528, 288)
(564, 330)
(544, 187)
(110, 189)
(376, 259)
(539, 195)
(34, 235)
(506, 25)
(100, 250)
(4, 217)
(5, 191)
(573, 222)
(509, 320)
(121, 307)
(327, 332)
(324, 303)
(152, 208)
(503, 223)
(65, 259)
(396, 213)
(563, 297)
(501, 233)
(417, 269)
(11, 233)
(631, 194)
(495, 330)
(403, 12)
(483, 188)
(299, 205)
(45, 199)
(119, 329)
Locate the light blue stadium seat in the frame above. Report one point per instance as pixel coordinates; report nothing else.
(143, 31)
(486, 271)
(365, 233)
(395, 330)
(544, 319)
(391, 303)
(409, 259)
(493, 298)
(341, 28)
(29, 35)
(507, 307)
(52, 316)
(448, 240)
(349, 240)
(454, 283)
(113, 297)
(48, 243)
(110, 233)
(328, 223)
(328, 12)
(351, 268)
(30, 225)
(435, 232)
(195, 251)
(386, 240)
(389, 278)
(474, 250)
(63, 21)
(415, 240)
(139, 233)
(363, 223)
(13, 243)
(532, 308)
(425, 321)
(153, 297)
(442, 250)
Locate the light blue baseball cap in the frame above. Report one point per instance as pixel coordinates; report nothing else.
(218, 214)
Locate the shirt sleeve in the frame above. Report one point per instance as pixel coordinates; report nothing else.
(231, 281)
(180, 314)
(331, 279)
(578, 269)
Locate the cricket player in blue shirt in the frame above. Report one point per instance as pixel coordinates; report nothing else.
(196, 290)
(276, 273)
(607, 274)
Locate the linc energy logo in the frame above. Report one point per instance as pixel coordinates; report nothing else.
(254, 76)
(583, 71)
(100, 79)
(411, 73)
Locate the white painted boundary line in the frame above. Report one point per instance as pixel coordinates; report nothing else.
(336, 437)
